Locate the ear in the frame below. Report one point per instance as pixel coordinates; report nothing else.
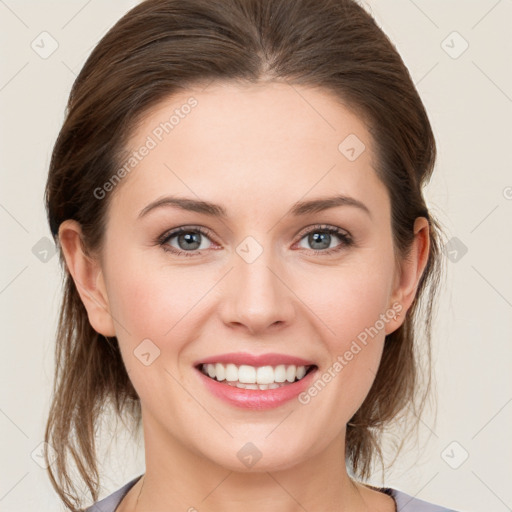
(88, 277)
(408, 276)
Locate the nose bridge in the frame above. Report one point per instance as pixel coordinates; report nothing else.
(258, 296)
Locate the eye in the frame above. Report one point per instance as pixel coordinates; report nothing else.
(320, 238)
(189, 240)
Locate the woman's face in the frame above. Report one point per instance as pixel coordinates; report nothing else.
(263, 280)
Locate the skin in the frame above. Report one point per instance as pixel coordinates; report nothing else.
(255, 150)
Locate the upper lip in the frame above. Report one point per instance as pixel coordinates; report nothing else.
(241, 358)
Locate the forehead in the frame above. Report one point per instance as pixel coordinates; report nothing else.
(256, 142)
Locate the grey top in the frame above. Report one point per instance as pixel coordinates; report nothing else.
(404, 502)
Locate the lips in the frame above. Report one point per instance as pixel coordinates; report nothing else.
(255, 381)
(244, 358)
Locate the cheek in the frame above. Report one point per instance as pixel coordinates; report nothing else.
(352, 310)
(151, 307)
(149, 300)
(159, 310)
(349, 301)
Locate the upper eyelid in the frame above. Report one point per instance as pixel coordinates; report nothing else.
(322, 227)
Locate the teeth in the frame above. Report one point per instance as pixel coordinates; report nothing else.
(247, 374)
(220, 372)
(254, 386)
(251, 377)
(301, 371)
(231, 373)
(280, 373)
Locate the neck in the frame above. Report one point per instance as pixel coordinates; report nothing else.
(177, 479)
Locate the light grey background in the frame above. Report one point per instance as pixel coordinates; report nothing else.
(468, 96)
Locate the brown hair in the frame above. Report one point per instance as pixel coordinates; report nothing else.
(164, 46)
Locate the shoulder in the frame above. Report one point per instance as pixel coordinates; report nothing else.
(407, 503)
(110, 503)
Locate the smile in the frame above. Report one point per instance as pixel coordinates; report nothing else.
(252, 377)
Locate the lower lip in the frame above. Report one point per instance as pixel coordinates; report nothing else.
(257, 398)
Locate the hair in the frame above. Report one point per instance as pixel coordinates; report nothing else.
(161, 47)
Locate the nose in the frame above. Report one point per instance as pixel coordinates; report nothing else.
(257, 296)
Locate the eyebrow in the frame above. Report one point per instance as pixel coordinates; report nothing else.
(215, 210)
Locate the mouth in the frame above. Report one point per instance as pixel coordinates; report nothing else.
(255, 377)
(255, 381)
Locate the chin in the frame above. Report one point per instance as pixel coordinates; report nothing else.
(258, 455)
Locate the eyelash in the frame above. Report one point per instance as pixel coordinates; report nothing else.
(163, 240)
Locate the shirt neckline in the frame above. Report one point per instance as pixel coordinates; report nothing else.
(386, 490)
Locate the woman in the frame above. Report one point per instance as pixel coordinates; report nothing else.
(237, 197)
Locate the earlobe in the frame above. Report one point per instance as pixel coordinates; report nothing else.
(88, 277)
(412, 268)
